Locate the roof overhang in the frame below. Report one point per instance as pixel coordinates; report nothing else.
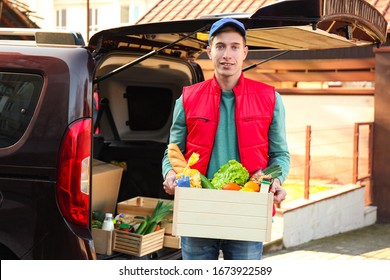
(12, 16)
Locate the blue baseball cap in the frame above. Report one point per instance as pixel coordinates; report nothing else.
(227, 22)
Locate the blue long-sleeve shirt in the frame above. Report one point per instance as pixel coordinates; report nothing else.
(225, 145)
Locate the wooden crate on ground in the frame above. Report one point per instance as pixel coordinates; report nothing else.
(136, 244)
(233, 215)
(139, 206)
(144, 206)
(171, 241)
(103, 241)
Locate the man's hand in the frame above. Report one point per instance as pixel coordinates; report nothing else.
(170, 182)
(278, 191)
(257, 176)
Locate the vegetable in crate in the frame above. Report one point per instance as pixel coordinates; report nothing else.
(269, 173)
(97, 224)
(251, 186)
(98, 215)
(231, 172)
(231, 187)
(97, 219)
(160, 212)
(205, 182)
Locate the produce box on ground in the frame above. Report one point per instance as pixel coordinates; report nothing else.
(222, 214)
(103, 241)
(136, 244)
(139, 206)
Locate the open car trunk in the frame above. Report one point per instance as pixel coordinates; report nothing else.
(289, 24)
(142, 69)
(141, 100)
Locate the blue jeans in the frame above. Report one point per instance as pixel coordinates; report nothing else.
(193, 248)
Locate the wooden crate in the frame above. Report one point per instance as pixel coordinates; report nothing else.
(103, 241)
(222, 214)
(136, 244)
(139, 206)
(167, 224)
(143, 206)
(171, 241)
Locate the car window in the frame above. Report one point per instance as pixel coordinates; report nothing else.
(149, 107)
(19, 95)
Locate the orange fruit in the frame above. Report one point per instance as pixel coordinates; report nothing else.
(252, 185)
(231, 187)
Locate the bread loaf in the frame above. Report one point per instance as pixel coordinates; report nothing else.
(176, 158)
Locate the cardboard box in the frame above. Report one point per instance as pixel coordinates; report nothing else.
(106, 180)
(222, 214)
(136, 244)
(103, 241)
(143, 206)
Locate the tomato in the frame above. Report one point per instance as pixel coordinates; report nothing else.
(252, 186)
(231, 187)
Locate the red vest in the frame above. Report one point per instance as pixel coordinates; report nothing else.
(254, 108)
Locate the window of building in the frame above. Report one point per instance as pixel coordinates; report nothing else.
(125, 13)
(136, 12)
(93, 20)
(61, 19)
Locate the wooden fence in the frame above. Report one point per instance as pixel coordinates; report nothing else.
(331, 156)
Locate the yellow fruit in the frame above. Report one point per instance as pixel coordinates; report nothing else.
(252, 185)
(247, 190)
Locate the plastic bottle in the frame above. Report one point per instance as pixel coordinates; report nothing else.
(108, 223)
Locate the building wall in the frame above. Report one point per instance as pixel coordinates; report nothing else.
(381, 167)
(326, 214)
(108, 13)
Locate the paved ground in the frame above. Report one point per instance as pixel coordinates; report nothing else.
(368, 243)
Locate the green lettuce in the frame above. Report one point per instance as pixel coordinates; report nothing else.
(233, 171)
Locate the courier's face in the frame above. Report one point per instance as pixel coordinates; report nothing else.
(228, 52)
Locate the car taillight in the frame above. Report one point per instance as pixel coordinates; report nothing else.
(73, 173)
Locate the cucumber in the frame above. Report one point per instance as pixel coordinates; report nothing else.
(206, 184)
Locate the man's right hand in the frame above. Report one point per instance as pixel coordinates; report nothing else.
(170, 182)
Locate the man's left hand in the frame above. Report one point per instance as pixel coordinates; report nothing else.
(278, 191)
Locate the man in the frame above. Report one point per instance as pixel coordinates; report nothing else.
(224, 118)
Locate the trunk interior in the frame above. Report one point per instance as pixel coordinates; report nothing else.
(134, 118)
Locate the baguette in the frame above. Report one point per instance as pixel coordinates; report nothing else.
(176, 158)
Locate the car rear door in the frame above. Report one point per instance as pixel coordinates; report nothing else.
(45, 96)
(283, 25)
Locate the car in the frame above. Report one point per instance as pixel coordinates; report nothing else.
(64, 103)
